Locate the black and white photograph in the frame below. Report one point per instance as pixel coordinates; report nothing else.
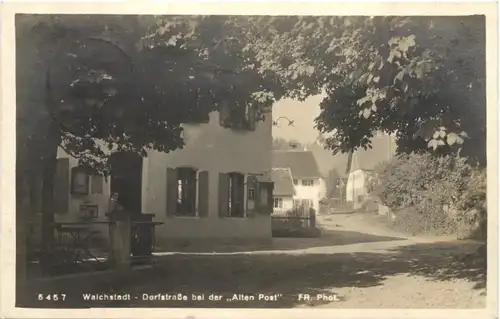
(251, 161)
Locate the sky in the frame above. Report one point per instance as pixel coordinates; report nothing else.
(303, 115)
(303, 131)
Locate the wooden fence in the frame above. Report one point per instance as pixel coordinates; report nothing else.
(298, 218)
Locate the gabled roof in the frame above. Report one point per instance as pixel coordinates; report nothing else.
(283, 183)
(302, 164)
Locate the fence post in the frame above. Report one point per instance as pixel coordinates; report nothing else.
(312, 217)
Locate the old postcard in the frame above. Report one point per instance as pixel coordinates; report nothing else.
(249, 159)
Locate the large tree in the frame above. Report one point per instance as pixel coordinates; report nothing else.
(421, 78)
(93, 85)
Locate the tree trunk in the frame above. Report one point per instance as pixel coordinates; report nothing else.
(48, 204)
(349, 162)
(49, 163)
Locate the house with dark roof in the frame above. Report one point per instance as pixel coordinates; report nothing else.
(306, 178)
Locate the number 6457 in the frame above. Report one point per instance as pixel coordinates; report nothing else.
(52, 297)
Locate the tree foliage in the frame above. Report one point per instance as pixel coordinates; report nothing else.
(422, 78)
(128, 83)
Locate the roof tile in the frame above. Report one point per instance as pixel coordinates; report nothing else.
(302, 164)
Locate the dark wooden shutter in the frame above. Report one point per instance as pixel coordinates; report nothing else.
(223, 195)
(224, 115)
(265, 202)
(251, 118)
(96, 184)
(61, 186)
(172, 189)
(251, 184)
(203, 194)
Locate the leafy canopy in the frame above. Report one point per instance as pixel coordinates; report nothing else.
(420, 78)
(128, 83)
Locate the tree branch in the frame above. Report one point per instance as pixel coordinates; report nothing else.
(70, 153)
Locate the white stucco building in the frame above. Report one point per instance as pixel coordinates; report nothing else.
(363, 164)
(217, 187)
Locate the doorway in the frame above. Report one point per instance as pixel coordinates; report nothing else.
(126, 180)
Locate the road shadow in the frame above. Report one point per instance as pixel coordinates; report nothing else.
(287, 274)
(328, 238)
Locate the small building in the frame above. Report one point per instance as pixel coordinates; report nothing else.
(305, 173)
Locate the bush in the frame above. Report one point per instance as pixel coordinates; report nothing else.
(433, 194)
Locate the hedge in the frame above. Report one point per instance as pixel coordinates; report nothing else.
(430, 194)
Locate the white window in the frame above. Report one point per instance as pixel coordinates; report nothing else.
(278, 202)
(307, 182)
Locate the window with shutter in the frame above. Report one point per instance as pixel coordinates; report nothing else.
(238, 117)
(61, 186)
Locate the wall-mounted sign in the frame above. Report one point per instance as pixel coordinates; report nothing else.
(89, 210)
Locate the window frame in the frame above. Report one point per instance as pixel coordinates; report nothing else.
(75, 189)
(305, 182)
(237, 119)
(179, 213)
(280, 202)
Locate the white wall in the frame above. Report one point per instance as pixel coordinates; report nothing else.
(208, 147)
(309, 192)
(215, 149)
(322, 188)
(356, 185)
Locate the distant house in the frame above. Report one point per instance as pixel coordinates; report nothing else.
(363, 164)
(284, 190)
(305, 174)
